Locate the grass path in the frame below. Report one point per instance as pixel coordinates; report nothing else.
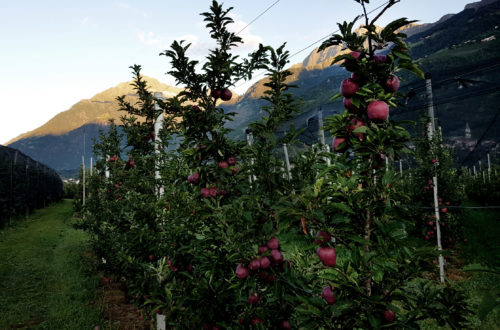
(44, 282)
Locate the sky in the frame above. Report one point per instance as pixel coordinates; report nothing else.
(55, 53)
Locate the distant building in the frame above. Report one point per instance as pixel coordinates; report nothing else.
(468, 134)
(466, 141)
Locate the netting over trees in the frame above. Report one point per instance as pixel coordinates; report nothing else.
(25, 184)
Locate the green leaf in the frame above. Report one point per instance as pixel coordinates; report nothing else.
(342, 207)
(336, 96)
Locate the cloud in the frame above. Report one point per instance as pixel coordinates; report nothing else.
(250, 41)
(85, 20)
(124, 6)
(148, 39)
(136, 11)
(199, 47)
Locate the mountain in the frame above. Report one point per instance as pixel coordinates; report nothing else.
(98, 110)
(61, 142)
(464, 45)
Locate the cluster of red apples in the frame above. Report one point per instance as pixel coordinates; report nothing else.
(374, 110)
(269, 256)
(206, 192)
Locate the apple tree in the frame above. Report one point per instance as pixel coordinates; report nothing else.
(369, 269)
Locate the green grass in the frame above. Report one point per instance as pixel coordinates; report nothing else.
(481, 254)
(44, 280)
(482, 230)
(482, 250)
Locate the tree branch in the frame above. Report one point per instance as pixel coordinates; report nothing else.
(389, 5)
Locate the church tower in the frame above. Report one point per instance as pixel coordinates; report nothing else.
(468, 134)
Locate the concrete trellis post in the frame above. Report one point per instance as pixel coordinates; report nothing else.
(431, 131)
(249, 136)
(474, 168)
(287, 162)
(91, 165)
(106, 169)
(489, 166)
(27, 188)
(160, 190)
(321, 134)
(83, 179)
(400, 167)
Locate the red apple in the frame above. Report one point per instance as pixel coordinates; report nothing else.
(392, 83)
(253, 299)
(241, 272)
(234, 170)
(265, 263)
(277, 256)
(195, 108)
(216, 93)
(327, 294)
(444, 210)
(377, 111)
(431, 223)
(285, 324)
(327, 255)
(263, 276)
(213, 192)
(223, 164)
(356, 123)
(256, 320)
(434, 161)
(262, 249)
(205, 192)
(273, 243)
(231, 160)
(349, 87)
(322, 237)
(350, 106)
(337, 141)
(356, 77)
(426, 237)
(150, 257)
(254, 264)
(226, 94)
(380, 58)
(389, 315)
(106, 279)
(356, 56)
(194, 178)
